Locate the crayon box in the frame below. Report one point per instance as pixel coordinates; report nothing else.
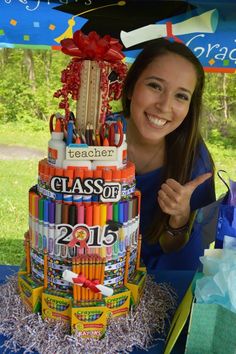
(56, 306)
(90, 320)
(119, 303)
(30, 292)
(136, 286)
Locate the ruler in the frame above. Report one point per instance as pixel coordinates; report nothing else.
(91, 94)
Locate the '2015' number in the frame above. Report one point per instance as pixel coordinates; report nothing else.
(98, 236)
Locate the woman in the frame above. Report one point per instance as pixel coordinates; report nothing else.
(162, 99)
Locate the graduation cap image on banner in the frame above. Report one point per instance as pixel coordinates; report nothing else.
(112, 16)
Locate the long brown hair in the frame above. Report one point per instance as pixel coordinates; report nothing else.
(182, 143)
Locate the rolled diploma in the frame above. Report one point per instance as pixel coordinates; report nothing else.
(206, 22)
(69, 275)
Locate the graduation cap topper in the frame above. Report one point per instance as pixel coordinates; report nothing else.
(106, 17)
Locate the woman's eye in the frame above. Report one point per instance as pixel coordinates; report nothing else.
(154, 85)
(183, 97)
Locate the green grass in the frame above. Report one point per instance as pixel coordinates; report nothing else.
(16, 177)
(35, 136)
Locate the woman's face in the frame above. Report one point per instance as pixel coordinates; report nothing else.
(161, 97)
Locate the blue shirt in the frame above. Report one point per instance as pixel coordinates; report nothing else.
(149, 184)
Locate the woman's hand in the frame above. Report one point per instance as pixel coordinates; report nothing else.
(174, 199)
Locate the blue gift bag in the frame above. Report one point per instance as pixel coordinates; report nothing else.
(226, 222)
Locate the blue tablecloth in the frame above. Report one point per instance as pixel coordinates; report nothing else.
(180, 280)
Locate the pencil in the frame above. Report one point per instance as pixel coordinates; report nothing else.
(126, 275)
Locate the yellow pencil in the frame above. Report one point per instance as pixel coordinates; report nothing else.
(45, 269)
(126, 275)
(138, 251)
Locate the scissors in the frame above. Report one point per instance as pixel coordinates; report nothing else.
(113, 131)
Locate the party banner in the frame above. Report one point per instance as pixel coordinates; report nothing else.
(207, 27)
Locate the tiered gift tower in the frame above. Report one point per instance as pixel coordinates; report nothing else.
(83, 244)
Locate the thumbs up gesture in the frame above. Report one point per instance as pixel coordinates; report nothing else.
(174, 199)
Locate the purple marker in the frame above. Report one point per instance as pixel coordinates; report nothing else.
(121, 232)
(45, 224)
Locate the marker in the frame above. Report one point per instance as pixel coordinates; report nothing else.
(115, 250)
(87, 198)
(121, 229)
(125, 224)
(58, 213)
(78, 198)
(80, 220)
(64, 220)
(51, 227)
(59, 173)
(102, 223)
(97, 174)
(40, 225)
(45, 224)
(68, 198)
(72, 221)
(70, 126)
(130, 222)
(35, 220)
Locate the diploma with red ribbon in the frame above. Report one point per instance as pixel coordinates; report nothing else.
(81, 280)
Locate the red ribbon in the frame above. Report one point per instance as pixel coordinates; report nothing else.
(92, 47)
(169, 32)
(86, 283)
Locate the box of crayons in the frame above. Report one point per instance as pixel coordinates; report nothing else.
(136, 285)
(119, 303)
(90, 319)
(30, 292)
(56, 306)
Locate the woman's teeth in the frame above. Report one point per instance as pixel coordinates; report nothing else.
(156, 121)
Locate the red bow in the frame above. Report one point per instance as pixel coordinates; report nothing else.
(92, 47)
(86, 283)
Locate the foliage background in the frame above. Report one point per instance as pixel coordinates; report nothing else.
(28, 81)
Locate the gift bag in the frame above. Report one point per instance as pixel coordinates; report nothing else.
(213, 220)
(226, 221)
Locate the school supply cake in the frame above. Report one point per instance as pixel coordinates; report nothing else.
(82, 250)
